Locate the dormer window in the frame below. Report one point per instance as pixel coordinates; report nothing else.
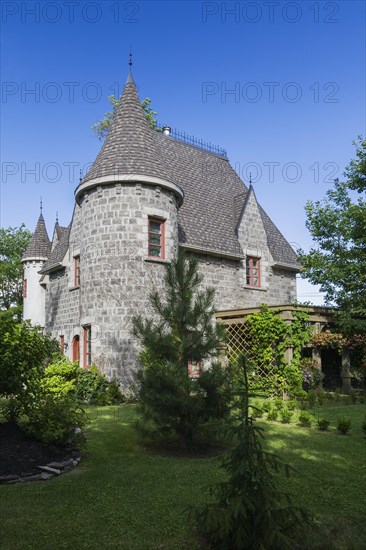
(253, 272)
(156, 244)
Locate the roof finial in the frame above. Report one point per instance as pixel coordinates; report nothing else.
(250, 178)
(56, 216)
(80, 175)
(41, 205)
(130, 77)
(130, 61)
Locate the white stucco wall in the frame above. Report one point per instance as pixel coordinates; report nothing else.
(34, 302)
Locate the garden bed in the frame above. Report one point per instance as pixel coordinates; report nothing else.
(25, 458)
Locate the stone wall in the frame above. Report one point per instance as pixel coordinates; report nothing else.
(116, 275)
(62, 307)
(110, 233)
(228, 278)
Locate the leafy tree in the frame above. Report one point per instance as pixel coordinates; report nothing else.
(40, 397)
(101, 128)
(182, 331)
(13, 243)
(338, 227)
(23, 352)
(249, 510)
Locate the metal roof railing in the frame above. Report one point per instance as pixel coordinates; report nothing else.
(191, 140)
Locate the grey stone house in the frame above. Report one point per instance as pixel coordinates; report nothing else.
(147, 194)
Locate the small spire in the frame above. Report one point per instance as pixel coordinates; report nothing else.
(80, 175)
(250, 178)
(56, 217)
(41, 205)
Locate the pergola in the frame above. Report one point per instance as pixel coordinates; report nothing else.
(320, 318)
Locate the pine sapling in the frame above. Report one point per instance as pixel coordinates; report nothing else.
(249, 509)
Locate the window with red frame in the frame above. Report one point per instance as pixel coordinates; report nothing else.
(194, 369)
(156, 238)
(253, 271)
(24, 291)
(76, 271)
(62, 343)
(87, 346)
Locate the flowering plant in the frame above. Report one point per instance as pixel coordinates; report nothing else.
(311, 374)
(337, 340)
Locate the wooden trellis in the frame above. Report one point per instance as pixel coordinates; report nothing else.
(239, 339)
(238, 342)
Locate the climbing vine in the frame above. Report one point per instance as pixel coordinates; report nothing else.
(268, 338)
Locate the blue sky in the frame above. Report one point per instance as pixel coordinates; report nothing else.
(279, 85)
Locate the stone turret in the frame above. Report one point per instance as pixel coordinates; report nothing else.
(125, 201)
(33, 260)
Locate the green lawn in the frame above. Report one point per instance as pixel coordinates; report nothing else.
(125, 497)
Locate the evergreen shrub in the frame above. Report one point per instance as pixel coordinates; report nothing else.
(323, 424)
(286, 416)
(306, 419)
(343, 425)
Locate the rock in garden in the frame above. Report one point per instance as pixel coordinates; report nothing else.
(50, 470)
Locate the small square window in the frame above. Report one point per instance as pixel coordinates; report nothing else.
(156, 243)
(252, 271)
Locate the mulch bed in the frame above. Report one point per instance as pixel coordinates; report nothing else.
(21, 454)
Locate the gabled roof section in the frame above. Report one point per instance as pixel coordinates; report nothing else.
(239, 206)
(40, 245)
(57, 233)
(214, 202)
(241, 202)
(281, 250)
(207, 215)
(130, 146)
(58, 253)
(59, 230)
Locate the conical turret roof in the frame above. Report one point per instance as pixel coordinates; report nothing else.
(40, 245)
(131, 146)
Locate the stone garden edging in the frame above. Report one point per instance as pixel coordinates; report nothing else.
(48, 471)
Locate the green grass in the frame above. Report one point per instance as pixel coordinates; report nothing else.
(330, 478)
(124, 496)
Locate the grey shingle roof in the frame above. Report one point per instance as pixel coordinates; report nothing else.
(130, 146)
(207, 216)
(214, 194)
(40, 245)
(59, 252)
